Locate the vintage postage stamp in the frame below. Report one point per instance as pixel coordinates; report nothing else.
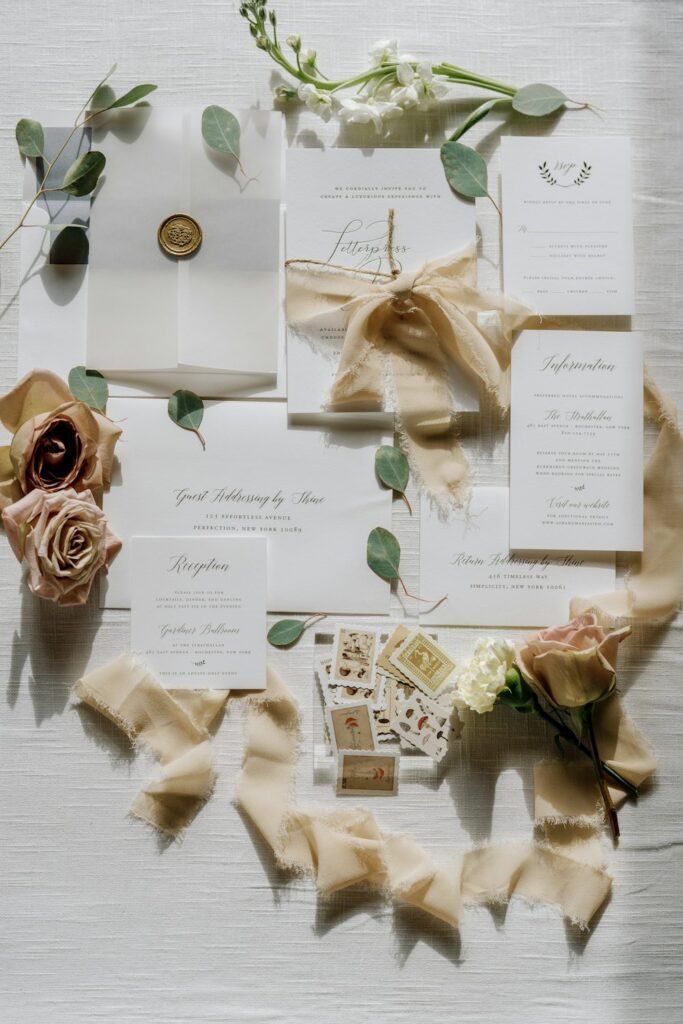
(352, 727)
(426, 725)
(353, 657)
(424, 663)
(372, 773)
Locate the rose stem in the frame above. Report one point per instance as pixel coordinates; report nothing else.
(597, 764)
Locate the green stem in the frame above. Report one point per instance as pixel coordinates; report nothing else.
(570, 736)
(610, 812)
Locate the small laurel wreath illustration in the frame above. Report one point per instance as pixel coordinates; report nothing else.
(547, 175)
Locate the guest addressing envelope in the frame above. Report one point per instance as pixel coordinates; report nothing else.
(198, 611)
(313, 494)
(217, 309)
(568, 224)
(468, 557)
(338, 202)
(576, 441)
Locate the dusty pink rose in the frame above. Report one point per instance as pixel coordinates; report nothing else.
(65, 541)
(58, 442)
(572, 665)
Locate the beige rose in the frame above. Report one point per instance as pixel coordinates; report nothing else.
(58, 442)
(572, 665)
(64, 539)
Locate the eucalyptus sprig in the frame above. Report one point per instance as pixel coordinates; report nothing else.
(84, 173)
(396, 82)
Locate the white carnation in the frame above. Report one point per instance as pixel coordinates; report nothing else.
(481, 678)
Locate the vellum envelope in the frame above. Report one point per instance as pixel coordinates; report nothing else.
(217, 309)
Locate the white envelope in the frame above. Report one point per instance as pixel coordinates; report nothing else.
(313, 494)
(217, 309)
(53, 306)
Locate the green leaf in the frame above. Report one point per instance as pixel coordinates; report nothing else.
(286, 632)
(392, 468)
(133, 95)
(102, 98)
(538, 100)
(187, 410)
(89, 386)
(30, 137)
(83, 174)
(221, 131)
(383, 553)
(71, 245)
(477, 115)
(465, 169)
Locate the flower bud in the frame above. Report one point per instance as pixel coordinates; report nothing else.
(294, 42)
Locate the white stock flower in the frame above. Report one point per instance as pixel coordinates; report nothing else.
(481, 678)
(315, 100)
(417, 85)
(308, 56)
(385, 51)
(369, 111)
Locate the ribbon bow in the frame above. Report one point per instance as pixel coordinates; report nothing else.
(408, 332)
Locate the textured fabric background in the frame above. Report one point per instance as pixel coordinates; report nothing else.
(102, 922)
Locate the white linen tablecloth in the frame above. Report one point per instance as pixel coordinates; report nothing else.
(103, 922)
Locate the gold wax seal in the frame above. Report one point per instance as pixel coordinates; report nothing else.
(179, 235)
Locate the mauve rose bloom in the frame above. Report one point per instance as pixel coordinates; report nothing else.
(58, 442)
(572, 665)
(65, 541)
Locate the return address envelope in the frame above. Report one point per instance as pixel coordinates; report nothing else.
(468, 557)
(198, 613)
(568, 224)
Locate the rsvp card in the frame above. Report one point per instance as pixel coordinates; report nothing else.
(568, 224)
(576, 441)
(198, 613)
(468, 557)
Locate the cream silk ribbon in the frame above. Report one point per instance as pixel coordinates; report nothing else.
(344, 846)
(653, 586)
(173, 724)
(409, 330)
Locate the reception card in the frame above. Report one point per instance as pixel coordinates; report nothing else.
(198, 611)
(576, 442)
(568, 224)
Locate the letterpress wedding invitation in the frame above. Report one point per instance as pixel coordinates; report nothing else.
(198, 610)
(568, 224)
(313, 494)
(576, 441)
(338, 202)
(467, 556)
(218, 308)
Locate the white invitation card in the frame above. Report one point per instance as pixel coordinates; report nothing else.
(338, 202)
(216, 309)
(568, 224)
(576, 441)
(467, 556)
(313, 494)
(198, 610)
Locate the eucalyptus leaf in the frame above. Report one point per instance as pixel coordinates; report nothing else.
(82, 176)
(71, 246)
(89, 386)
(221, 131)
(465, 169)
(133, 95)
(383, 553)
(475, 117)
(187, 410)
(30, 137)
(286, 632)
(102, 97)
(538, 100)
(392, 468)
